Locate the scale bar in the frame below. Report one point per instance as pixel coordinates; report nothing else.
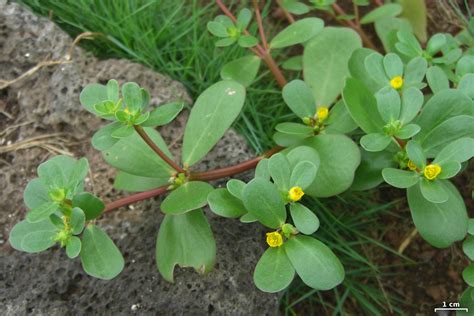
(451, 309)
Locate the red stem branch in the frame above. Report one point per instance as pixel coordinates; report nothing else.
(157, 150)
(260, 25)
(230, 171)
(135, 198)
(287, 14)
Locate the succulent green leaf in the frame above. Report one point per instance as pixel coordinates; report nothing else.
(217, 29)
(359, 72)
(185, 240)
(132, 96)
(78, 220)
(465, 65)
(401, 179)
(280, 171)
(242, 70)
(468, 247)
(224, 204)
(460, 150)
(434, 190)
(102, 139)
(42, 212)
(340, 120)
(468, 274)
(437, 79)
(383, 12)
(449, 169)
(440, 224)
(362, 106)
(213, 113)
(134, 156)
(325, 62)
(293, 63)
(388, 104)
(91, 205)
(338, 164)
(436, 110)
(100, 257)
(393, 65)
(33, 237)
(415, 12)
(132, 183)
(294, 129)
(247, 41)
(225, 42)
(408, 131)
(299, 98)
(295, 7)
(416, 154)
(375, 142)
(93, 94)
(274, 271)
(299, 32)
(447, 132)
(187, 197)
(73, 248)
(412, 101)
(35, 194)
(236, 187)
(303, 174)
(305, 220)
(465, 85)
(163, 114)
(261, 171)
(123, 131)
(263, 200)
(244, 17)
(314, 262)
(415, 71)
(369, 173)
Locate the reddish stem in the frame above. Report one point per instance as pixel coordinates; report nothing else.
(287, 14)
(135, 198)
(230, 171)
(378, 2)
(260, 25)
(157, 150)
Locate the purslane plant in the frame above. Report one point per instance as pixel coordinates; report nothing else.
(413, 107)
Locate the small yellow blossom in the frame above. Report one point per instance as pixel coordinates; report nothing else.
(432, 171)
(127, 111)
(295, 194)
(322, 113)
(274, 239)
(411, 165)
(396, 82)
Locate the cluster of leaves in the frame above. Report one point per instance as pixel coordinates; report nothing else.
(414, 107)
(62, 213)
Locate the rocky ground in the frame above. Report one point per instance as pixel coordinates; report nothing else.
(40, 116)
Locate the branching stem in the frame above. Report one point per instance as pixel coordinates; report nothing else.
(157, 150)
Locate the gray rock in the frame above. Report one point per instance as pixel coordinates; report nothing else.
(48, 103)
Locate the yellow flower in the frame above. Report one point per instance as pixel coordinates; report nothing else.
(295, 194)
(411, 165)
(322, 113)
(396, 82)
(127, 111)
(432, 171)
(274, 239)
